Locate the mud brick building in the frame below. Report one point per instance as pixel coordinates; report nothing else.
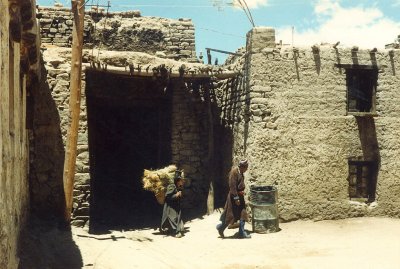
(319, 122)
(18, 76)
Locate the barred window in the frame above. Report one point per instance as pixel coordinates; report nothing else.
(360, 178)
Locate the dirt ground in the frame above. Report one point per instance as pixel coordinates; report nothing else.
(370, 243)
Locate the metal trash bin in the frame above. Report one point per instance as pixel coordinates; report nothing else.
(264, 208)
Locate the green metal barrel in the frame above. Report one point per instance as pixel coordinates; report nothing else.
(263, 203)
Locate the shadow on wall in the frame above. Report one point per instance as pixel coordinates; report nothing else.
(232, 101)
(211, 147)
(317, 58)
(370, 148)
(46, 153)
(391, 55)
(43, 245)
(223, 157)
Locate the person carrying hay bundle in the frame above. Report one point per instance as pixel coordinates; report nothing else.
(167, 186)
(158, 180)
(172, 214)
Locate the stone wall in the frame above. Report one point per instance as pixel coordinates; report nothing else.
(121, 31)
(189, 137)
(56, 26)
(299, 136)
(50, 123)
(14, 82)
(190, 142)
(50, 126)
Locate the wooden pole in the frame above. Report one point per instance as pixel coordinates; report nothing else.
(78, 10)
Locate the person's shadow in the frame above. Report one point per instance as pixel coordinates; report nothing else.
(236, 235)
(165, 232)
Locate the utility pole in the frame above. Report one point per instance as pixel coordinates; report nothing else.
(78, 11)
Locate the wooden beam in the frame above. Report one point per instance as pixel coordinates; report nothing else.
(122, 71)
(357, 66)
(224, 51)
(78, 10)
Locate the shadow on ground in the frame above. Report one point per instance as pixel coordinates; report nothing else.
(44, 244)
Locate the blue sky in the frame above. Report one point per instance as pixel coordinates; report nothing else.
(221, 25)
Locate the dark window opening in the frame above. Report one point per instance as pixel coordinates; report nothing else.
(361, 179)
(361, 90)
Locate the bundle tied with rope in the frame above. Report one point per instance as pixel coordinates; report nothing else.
(158, 180)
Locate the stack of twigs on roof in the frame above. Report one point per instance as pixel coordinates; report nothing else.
(158, 180)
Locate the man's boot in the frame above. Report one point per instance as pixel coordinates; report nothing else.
(221, 228)
(242, 232)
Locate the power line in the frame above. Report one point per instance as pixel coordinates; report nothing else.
(246, 11)
(169, 6)
(222, 33)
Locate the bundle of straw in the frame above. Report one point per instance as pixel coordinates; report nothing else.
(157, 180)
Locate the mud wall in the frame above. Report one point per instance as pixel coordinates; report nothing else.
(14, 81)
(299, 136)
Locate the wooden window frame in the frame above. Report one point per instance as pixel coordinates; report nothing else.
(366, 78)
(360, 172)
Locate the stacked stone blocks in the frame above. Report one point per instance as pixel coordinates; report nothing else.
(121, 31)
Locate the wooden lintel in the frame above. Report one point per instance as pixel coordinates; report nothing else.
(357, 66)
(122, 71)
(224, 51)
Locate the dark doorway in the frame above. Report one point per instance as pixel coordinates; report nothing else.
(129, 130)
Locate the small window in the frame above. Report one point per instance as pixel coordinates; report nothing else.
(360, 179)
(361, 90)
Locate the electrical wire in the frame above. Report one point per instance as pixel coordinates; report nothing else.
(218, 32)
(167, 6)
(247, 12)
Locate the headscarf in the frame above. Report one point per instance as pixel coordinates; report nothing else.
(243, 163)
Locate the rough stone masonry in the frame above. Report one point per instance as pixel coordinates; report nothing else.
(286, 111)
(120, 31)
(120, 40)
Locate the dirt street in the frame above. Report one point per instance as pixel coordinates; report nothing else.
(372, 243)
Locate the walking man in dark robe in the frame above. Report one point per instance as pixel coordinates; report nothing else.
(235, 207)
(172, 213)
